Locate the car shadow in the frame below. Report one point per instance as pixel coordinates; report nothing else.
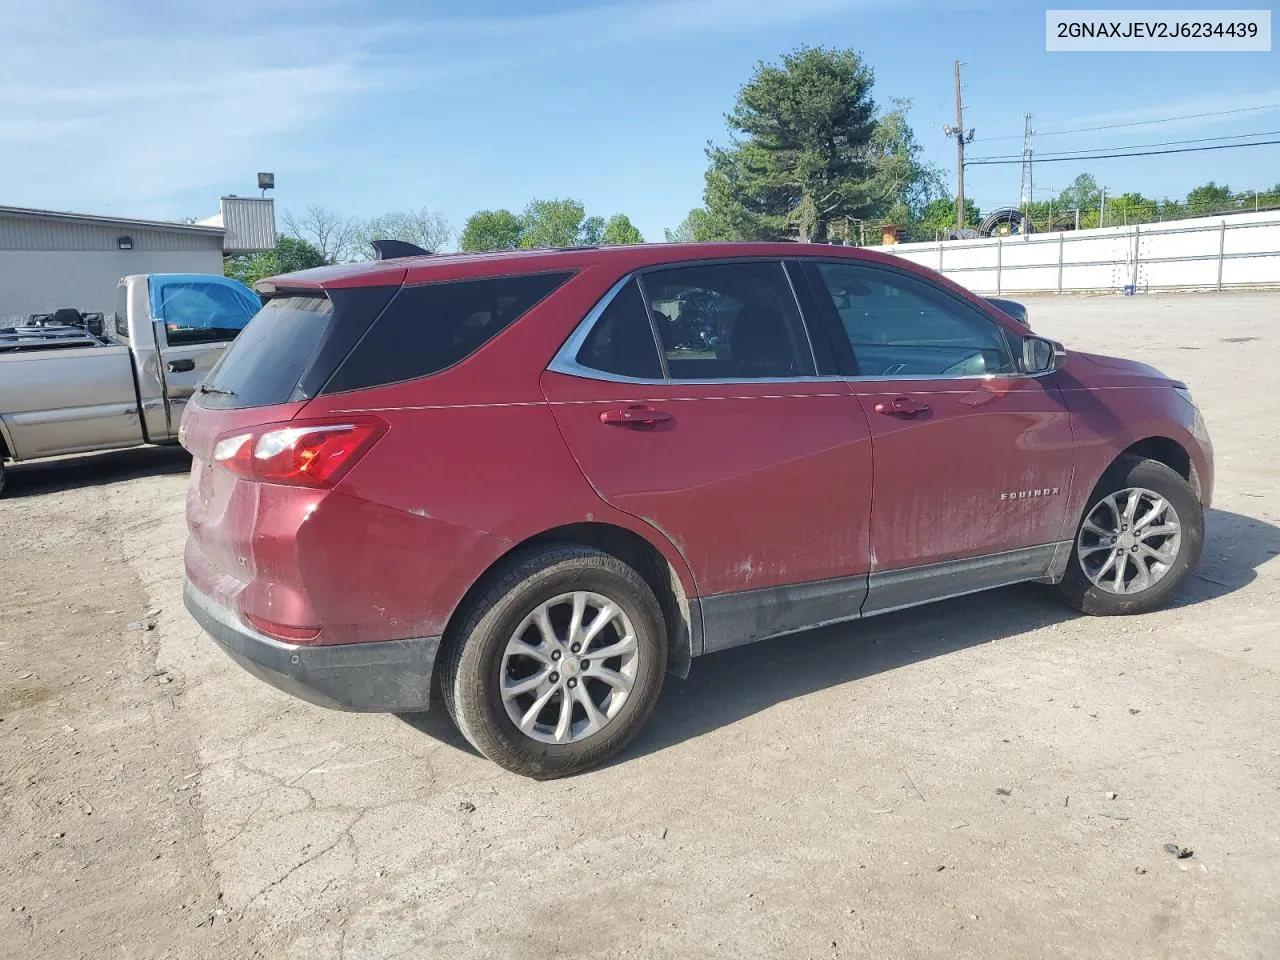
(723, 688)
(89, 470)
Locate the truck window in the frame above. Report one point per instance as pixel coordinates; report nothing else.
(197, 312)
(121, 315)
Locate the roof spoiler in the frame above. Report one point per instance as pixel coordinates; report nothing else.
(389, 249)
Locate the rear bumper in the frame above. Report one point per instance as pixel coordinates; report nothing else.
(389, 676)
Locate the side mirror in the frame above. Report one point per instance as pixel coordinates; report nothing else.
(1040, 355)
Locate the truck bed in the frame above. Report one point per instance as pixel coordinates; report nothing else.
(45, 337)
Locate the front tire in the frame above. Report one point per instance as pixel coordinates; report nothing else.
(557, 665)
(1140, 536)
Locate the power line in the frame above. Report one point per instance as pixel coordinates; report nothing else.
(1137, 146)
(1110, 156)
(1140, 123)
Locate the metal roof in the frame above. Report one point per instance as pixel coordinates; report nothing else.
(34, 214)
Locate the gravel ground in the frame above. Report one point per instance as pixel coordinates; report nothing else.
(988, 777)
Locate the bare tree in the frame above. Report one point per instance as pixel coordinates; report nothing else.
(424, 228)
(335, 236)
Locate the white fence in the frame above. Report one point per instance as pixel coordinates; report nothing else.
(1216, 253)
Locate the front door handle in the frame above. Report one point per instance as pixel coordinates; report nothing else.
(901, 407)
(635, 416)
(181, 366)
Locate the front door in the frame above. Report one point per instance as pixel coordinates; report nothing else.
(726, 441)
(973, 460)
(195, 319)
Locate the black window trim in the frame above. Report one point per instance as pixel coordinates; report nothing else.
(565, 361)
(844, 355)
(567, 273)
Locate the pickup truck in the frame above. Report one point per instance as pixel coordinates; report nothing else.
(73, 384)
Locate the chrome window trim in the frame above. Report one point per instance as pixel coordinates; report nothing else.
(566, 359)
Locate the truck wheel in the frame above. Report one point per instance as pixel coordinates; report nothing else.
(558, 664)
(1137, 541)
(1, 478)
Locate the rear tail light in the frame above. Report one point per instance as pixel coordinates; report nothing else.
(300, 454)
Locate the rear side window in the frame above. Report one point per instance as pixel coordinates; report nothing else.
(264, 364)
(621, 342)
(430, 327)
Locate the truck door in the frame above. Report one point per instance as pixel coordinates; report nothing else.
(195, 317)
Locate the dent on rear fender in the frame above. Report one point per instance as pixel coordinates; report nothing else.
(380, 573)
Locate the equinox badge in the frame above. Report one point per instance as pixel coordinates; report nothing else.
(1024, 494)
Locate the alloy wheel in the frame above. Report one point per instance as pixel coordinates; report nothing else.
(1129, 540)
(569, 667)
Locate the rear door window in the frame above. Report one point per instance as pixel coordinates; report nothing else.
(729, 321)
(622, 341)
(428, 328)
(266, 362)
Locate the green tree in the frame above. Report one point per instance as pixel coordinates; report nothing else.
(424, 228)
(802, 153)
(620, 231)
(559, 223)
(290, 254)
(1083, 194)
(491, 230)
(902, 184)
(1209, 198)
(939, 215)
(698, 226)
(1130, 208)
(592, 232)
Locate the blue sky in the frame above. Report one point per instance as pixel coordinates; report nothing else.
(152, 108)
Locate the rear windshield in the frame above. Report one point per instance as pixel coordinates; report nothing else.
(265, 363)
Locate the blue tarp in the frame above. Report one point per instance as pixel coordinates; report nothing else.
(193, 306)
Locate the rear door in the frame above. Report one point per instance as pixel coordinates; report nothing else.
(973, 459)
(195, 318)
(730, 439)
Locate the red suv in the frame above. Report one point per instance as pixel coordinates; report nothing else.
(542, 479)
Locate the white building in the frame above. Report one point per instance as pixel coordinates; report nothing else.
(50, 259)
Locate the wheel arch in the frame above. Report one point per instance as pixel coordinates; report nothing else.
(1167, 451)
(682, 617)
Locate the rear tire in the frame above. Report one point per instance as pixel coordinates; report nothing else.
(1137, 566)
(520, 633)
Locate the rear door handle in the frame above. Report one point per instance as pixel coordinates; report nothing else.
(635, 416)
(181, 366)
(901, 407)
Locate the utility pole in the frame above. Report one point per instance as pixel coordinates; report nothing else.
(1102, 209)
(961, 139)
(1026, 188)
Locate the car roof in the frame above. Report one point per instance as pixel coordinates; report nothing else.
(459, 266)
